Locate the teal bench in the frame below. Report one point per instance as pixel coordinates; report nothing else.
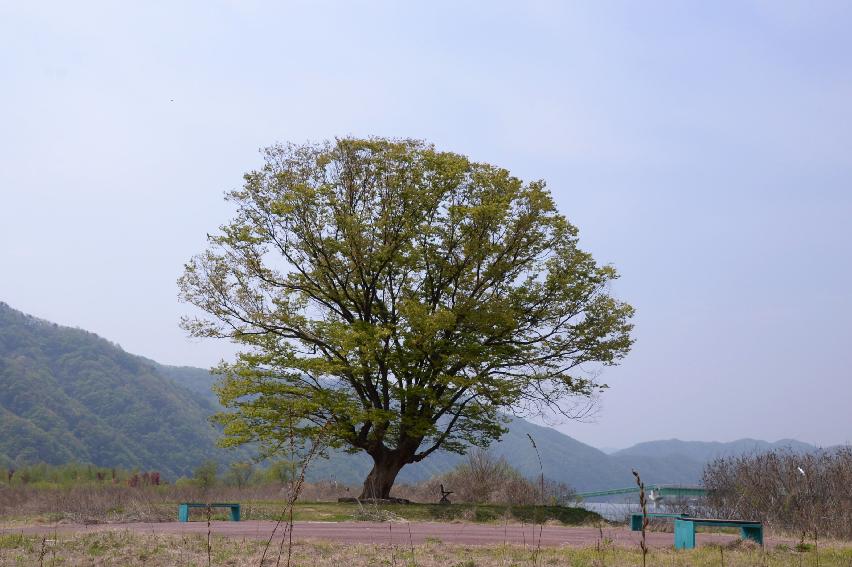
(183, 509)
(684, 528)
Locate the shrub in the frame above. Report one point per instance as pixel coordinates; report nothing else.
(804, 494)
(205, 475)
(485, 479)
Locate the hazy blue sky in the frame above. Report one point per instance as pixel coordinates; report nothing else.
(704, 148)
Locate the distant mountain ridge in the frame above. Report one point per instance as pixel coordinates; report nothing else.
(70, 395)
(708, 450)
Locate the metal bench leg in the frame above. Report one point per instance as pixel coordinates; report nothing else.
(235, 513)
(636, 522)
(684, 534)
(183, 513)
(754, 533)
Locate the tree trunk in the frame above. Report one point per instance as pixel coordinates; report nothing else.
(379, 482)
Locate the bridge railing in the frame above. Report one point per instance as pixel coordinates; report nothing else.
(658, 489)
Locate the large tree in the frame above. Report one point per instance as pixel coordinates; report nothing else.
(397, 298)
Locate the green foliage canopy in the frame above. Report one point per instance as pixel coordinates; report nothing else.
(397, 297)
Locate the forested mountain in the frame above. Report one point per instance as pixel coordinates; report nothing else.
(69, 395)
(196, 380)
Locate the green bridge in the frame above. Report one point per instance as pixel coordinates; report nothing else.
(654, 491)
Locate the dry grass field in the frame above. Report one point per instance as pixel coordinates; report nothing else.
(124, 548)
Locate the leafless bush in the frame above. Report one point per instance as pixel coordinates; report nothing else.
(485, 479)
(481, 478)
(807, 494)
(558, 493)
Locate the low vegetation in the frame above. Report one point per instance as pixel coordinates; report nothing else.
(87, 494)
(130, 549)
(486, 489)
(111, 504)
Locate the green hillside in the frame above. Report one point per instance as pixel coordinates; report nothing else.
(69, 395)
(196, 380)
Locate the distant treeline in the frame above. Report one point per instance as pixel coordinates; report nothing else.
(73, 474)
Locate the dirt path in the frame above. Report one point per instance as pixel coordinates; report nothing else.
(396, 533)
